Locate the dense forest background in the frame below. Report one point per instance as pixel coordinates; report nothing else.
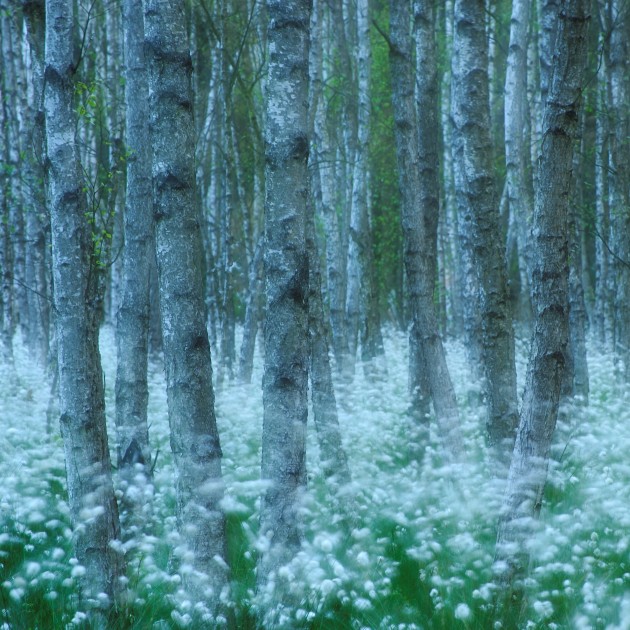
(409, 220)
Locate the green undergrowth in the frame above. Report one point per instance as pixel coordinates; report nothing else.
(408, 545)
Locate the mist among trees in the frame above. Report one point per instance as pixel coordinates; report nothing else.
(315, 314)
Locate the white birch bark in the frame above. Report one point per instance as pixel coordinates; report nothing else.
(286, 281)
(550, 275)
(194, 435)
(81, 398)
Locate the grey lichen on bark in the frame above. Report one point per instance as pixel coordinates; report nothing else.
(193, 429)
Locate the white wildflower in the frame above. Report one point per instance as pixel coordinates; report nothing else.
(462, 612)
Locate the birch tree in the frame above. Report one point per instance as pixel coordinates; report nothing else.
(362, 318)
(286, 281)
(75, 269)
(194, 435)
(252, 316)
(133, 314)
(603, 271)
(517, 152)
(619, 175)
(478, 213)
(455, 284)
(324, 170)
(10, 194)
(332, 453)
(416, 150)
(550, 276)
(36, 275)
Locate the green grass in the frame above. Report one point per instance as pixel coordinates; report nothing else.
(412, 547)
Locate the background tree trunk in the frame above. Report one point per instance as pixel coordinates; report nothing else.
(253, 312)
(550, 275)
(479, 215)
(324, 199)
(416, 149)
(37, 226)
(603, 272)
(132, 331)
(517, 152)
(362, 317)
(619, 175)
(333, 456)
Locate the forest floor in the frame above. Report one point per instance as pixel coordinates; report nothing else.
(418, 552)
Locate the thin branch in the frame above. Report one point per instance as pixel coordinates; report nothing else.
(36, 292)
(383, 33)
(610, 251)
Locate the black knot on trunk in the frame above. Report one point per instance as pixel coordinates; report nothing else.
(297, 288)
(133, 455)
(199, 342)
(299, 148)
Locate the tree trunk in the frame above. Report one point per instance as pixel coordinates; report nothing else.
(332, 454)
(81, 399)
(253, 312)
(619, 176)
(114, 151)
(8, 194)
(13, 89)
(416, 150)
(35, 210)
(286, 281)
(603, 264)
(479, 215)
(362, 318)
(454, 305)
(517, 153)
(324, 154)
(550, 275)
(194, 435)
(576, 385)
(132, 333)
